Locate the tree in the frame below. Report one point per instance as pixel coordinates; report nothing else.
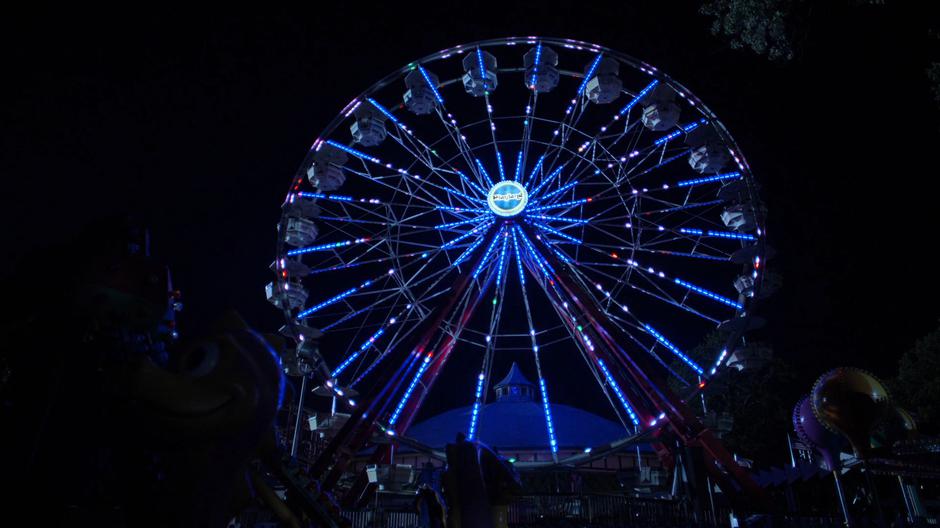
(767, 27)
(917, 386)
(759, 398)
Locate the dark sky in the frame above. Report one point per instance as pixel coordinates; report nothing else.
(196, 122)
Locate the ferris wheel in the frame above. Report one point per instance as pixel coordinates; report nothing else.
(540, 197)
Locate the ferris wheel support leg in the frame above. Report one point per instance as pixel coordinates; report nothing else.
(688, 430)
(361, 425)
(360, 489)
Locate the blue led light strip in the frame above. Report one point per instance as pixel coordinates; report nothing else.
(590, 73)
(362, 348)
(502, 258)
(546, 406)
(463, 256)
(499, 163)
(558, 191)
(461, 222)
(518, 166)
(486, 256)
(572, 203)
(684, 128)
(557, 219)
(535, 65)
(684, 207)
(384, 111)
(716, 234)
(620, 396)
(544, 182)
(672, 348)
(476, 407)
(471, 183)
(535, 169)
(455, 192)
(540, 261)
(321, 196)
(710, 295)
(663, 162)
(467, 234)
(324, 247)
(332, 300)
(555, 232)
(639, 96)
(437, 95)
(709, 179)
(515, 245)
(459, 209)
(727, 234)
(353, 151)
(483, 172)
(409, 390)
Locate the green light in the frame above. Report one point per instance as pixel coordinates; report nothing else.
(580, 329)
(512, 460)
(494, 301)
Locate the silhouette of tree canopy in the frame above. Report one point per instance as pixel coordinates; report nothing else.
(917, 386)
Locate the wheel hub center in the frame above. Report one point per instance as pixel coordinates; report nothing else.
(507, 198)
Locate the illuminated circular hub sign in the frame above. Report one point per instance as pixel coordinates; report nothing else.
(507, 198)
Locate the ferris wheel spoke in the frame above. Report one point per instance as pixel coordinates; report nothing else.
(489, 347)
(596, 365)
(546, 405)
(447, 336)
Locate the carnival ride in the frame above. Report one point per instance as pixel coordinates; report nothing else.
(528, 195)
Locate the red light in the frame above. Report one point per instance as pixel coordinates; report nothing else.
(614, 255)
(589, 199)
(701, 384)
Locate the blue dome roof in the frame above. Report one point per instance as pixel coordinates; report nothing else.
(516, 421)
(519, 424)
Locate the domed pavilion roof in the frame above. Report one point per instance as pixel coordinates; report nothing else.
(516, 421)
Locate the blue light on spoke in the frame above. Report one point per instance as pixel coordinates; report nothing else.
(476, 407)
(639, 96)
(709, 179)
(384, 111)
(362, 348)
(558, 191)
(353, 151)
(620, 396)
(571, 203)
(672, 348)
(332, 300)
(545, 182)
(683, 129)
(590, 73)
(411, 387)
(470, 233)
(486, 256)
(518, 173)
(437, 95)
(483, 172)
(538, 165)
(471, 183)
(463, 256)
(711, 295)
(325, 247)
(546, 406)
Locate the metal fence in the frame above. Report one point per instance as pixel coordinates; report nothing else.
(594, 511)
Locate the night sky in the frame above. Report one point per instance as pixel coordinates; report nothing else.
(196, 122)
